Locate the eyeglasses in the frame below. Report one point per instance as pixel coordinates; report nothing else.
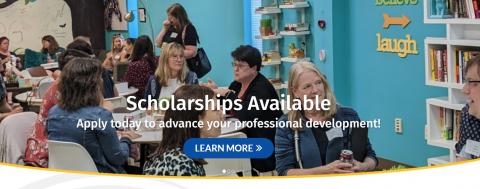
(239, 65)
(472, 83)
(175, 58)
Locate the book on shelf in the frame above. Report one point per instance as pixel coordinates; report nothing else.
(438, 65)
(449, 123)
(463, 8)
(461, 57)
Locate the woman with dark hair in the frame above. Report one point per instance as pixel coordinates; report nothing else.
(8, 57)
(143, 64)
(80, 96)
(127, 50)
(36, 153)
(169, 158)
(50, 49)
(178, 28)
(249, 82)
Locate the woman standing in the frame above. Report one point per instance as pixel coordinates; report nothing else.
(178, 28)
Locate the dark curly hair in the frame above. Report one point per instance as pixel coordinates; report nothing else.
(77, 48)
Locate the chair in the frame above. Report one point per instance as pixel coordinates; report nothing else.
(119, 71)
(43, 87)
(14, 131)
(228, 167)
(117, 102)
(69, 156)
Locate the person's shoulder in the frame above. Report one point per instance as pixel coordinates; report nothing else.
(344, 111)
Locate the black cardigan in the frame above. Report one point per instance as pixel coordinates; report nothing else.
(262, 89)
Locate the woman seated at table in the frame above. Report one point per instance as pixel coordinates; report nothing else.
(249, 82)
(5, 108)
(171, 73)
(36, 153)
(317, 150)
(169, 158)
(142, 66)
(113, 57)
(127, 50)
(50, 49)
(80, 97)
(7, 57)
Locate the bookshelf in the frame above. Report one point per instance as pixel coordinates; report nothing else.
(444, 62)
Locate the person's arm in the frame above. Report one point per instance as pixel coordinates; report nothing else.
(286, 163)
(116, 151)
(107, 63)
(159, 38)
(7, 110)
(190, 51)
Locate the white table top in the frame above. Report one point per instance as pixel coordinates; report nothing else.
(155, 135)
(128, 92)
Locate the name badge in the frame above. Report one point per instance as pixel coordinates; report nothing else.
(173, 35)
(473, 147)
(334, 133)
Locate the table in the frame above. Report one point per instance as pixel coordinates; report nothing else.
(128, 92)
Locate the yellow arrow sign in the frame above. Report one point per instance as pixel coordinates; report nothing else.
(387, 21)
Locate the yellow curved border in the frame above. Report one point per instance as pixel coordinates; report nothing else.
(236, 178)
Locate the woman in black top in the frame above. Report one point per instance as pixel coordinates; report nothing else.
(6, 56)
(248, 83)
(178, 28)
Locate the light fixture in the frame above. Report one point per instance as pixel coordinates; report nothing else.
(129, 17)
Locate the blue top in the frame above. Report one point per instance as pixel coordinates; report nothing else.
(309, 151)
(107, 151)
(154, 88)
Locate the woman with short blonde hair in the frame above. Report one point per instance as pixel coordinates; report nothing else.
(316, 150)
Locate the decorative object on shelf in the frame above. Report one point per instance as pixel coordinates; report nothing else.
(438, 9)
(266, 27)
(322, 24)
(296, 27)
(293, 52)
(271, 56)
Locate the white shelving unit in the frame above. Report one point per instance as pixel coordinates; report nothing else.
(461, 33)
(299, 6)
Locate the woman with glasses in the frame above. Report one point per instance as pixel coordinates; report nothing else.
(171, 73)
(142, 66)
(470, 118)
(249, 82)
(308, 150)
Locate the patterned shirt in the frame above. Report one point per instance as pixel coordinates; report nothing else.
(469, 130)
(137, 75)
(173, 163)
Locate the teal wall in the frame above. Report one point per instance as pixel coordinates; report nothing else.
(219, 23)
(377, 85)
(386, 86)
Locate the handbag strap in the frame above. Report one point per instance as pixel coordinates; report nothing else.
(183, 35)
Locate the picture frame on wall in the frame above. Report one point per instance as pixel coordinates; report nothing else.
(141, 15)
(119, 24)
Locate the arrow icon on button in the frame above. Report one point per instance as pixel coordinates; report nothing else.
(387, 21)
(259, 148)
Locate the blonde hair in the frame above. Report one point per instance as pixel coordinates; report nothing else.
(163, 72)
(295, 72)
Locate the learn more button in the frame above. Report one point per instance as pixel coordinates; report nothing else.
(228, 148)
